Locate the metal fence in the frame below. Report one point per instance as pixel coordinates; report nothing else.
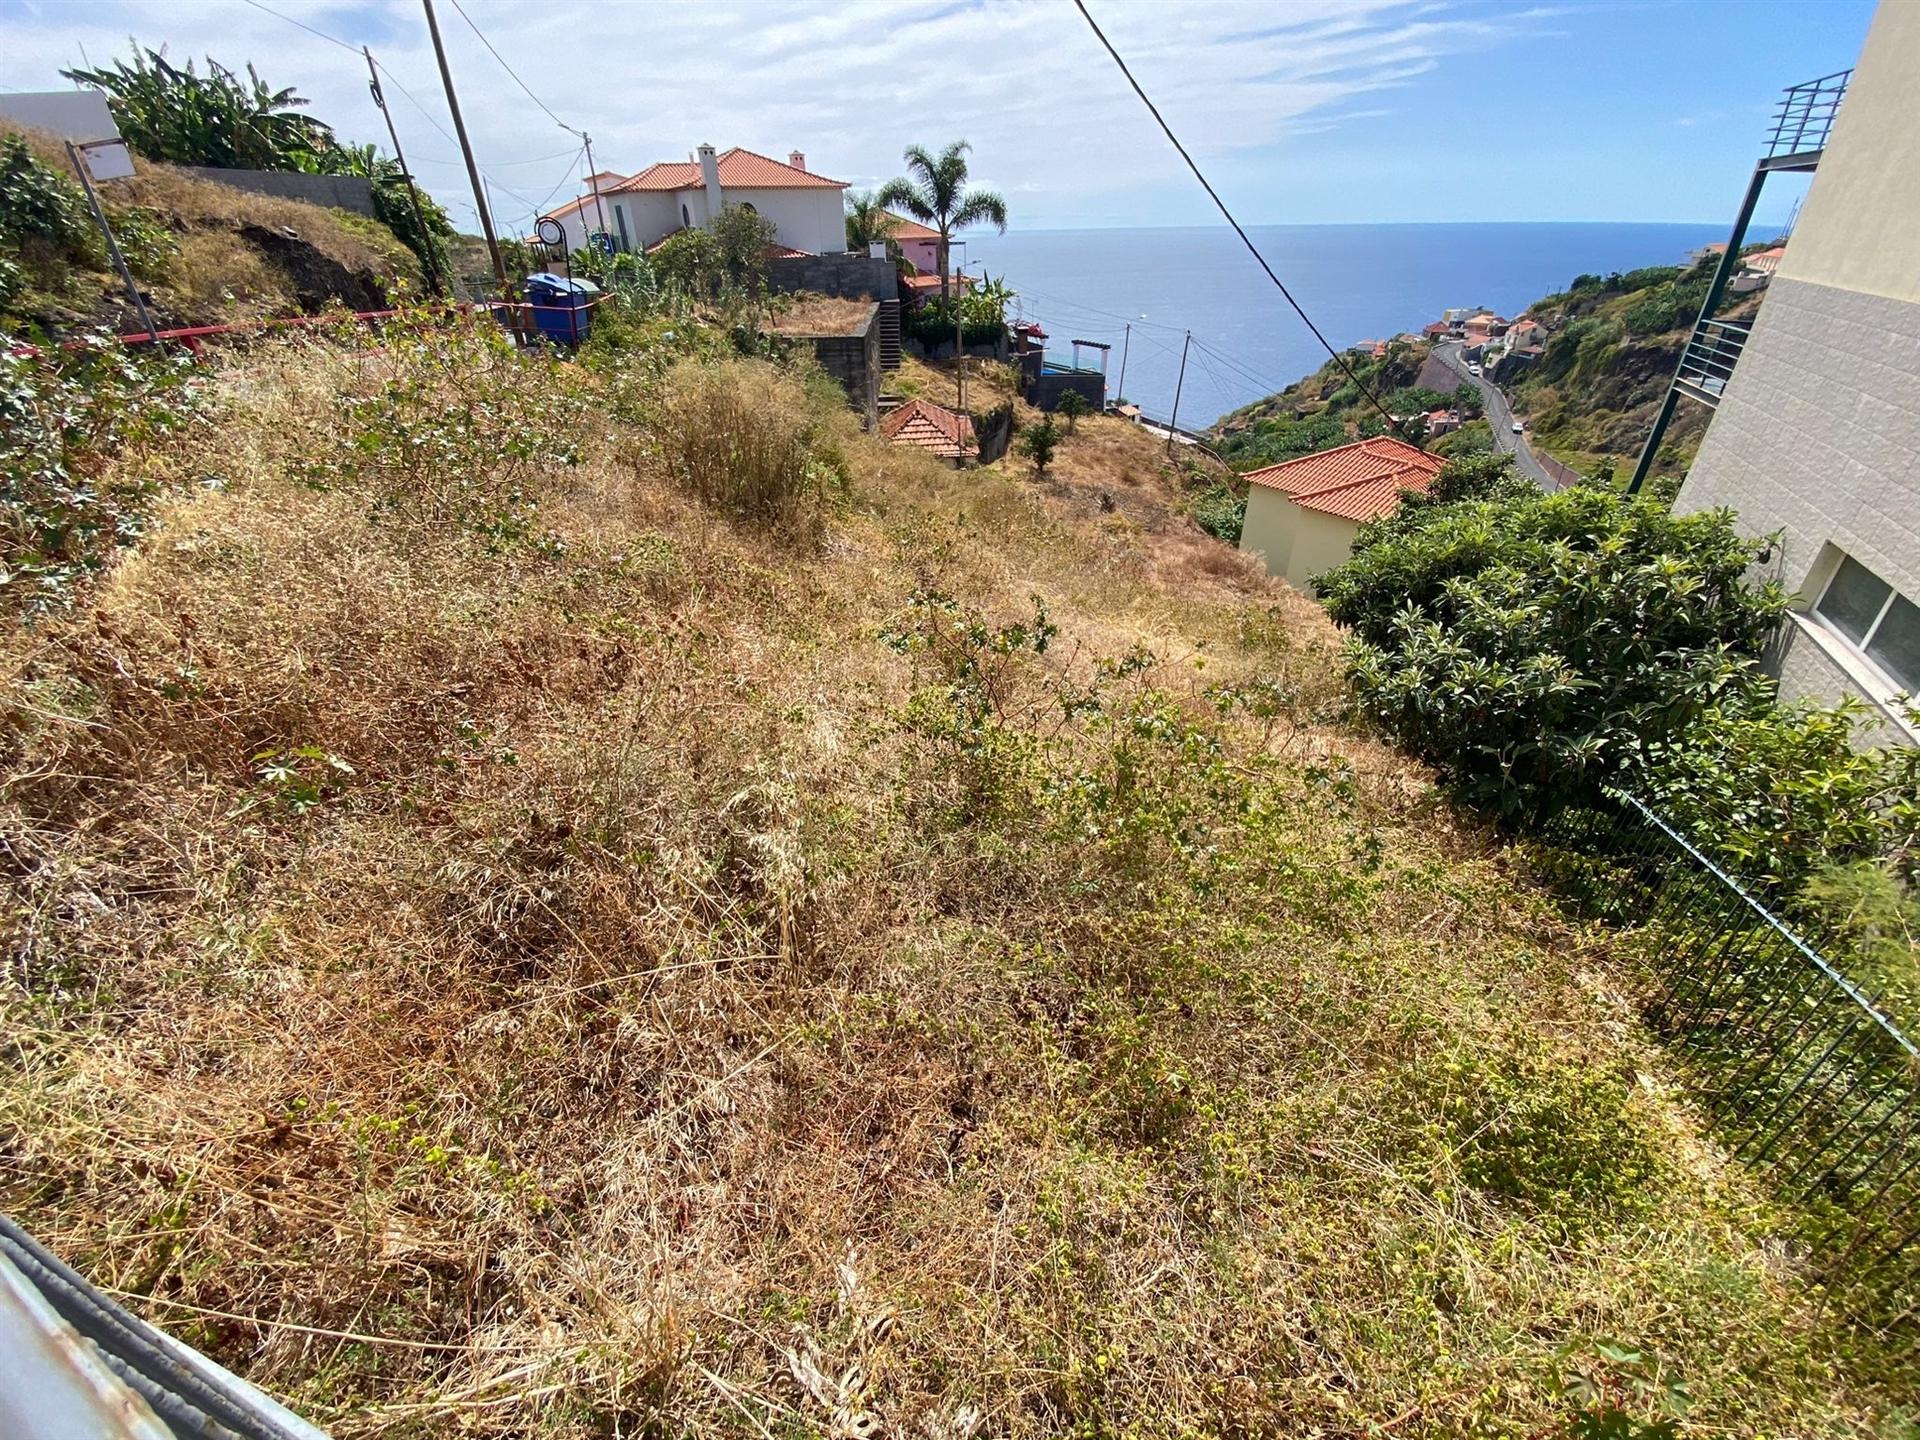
(1804, 117)
(1805, 1078)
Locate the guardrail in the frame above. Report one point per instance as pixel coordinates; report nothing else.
(1707, 364)
(1805, 115)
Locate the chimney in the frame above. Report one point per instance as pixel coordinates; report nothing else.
(797, 160)
(710, 173)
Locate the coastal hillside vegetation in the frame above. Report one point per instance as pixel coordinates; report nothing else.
(580, 899)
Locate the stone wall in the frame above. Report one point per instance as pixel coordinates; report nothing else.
(848, 275)
(339, 192)
(854, 360)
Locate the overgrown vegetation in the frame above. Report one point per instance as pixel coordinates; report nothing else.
(1535, 648)
(1327, 408)
(654, 967)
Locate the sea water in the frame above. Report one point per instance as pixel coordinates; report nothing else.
(1356, 282)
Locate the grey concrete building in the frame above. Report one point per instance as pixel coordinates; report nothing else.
(1816, 426)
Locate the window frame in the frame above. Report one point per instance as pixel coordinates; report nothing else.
(1862, 646)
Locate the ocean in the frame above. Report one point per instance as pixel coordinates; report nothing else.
(1356, 281)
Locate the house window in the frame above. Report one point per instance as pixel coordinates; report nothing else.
(686, 216)
(620, 219)
(1882, 623)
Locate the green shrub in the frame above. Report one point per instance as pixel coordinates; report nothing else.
(72, 426)
(1038, 442)
(43, 214)
(1529, 645)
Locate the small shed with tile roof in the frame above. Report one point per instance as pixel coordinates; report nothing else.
(1302, 515)
(933, 428)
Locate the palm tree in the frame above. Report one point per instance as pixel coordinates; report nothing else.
(868, 222)
(936, 195)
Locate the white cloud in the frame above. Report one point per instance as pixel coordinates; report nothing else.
(1050, 119)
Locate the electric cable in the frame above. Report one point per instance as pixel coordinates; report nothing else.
(1238, 229)
(481, 35)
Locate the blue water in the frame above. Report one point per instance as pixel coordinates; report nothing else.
(1356, 282)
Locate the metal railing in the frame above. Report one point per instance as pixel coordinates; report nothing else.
(1712, 351)
(1805, 1078)
(1805, 115)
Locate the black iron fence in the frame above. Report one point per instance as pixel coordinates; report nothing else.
(1805, 1078)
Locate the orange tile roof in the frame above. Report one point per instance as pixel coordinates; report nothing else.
(905, 229)
(739, 170)
(927, 426)
(1361, 481)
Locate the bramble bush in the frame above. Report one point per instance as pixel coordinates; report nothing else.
(77, 428)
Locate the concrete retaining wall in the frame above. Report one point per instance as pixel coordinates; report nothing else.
(1044, 390)
(854, 360)
(848, 276)
(339, 192)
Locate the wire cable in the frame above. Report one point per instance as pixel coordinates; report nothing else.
(1238, 229)
(511, 71)
(317, 34)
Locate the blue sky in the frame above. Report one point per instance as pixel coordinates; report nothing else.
(1303, 110)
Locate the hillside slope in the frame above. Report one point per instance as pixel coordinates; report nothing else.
(203, 253)
(573, 900)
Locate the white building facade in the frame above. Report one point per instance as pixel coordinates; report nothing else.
(808, 211)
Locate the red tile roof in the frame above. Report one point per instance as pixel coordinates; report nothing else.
(1361, 481)
(739, 170)
(905, 229)
(927, 426)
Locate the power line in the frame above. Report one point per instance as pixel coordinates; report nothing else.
(511, 71)
(318, 34)
(1245, 239)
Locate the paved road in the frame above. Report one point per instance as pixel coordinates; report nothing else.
(1447, 352)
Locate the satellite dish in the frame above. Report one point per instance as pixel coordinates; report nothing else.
(551, 231)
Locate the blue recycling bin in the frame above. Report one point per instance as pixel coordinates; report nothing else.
(561, 306)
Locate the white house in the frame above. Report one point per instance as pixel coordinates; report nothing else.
(808, 210)
(592, 211)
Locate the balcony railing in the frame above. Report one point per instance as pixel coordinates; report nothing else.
(1707, 363)
(1805, 116)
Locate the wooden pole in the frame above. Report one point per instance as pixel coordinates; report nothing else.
(413, 193)
(466, 153)
(1176, 392)
(1126, 343)
(113, 245)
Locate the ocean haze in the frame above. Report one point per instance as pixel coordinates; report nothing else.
(1356, 282)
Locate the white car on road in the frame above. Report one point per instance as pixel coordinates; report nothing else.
(1473, 369)
(1518, 427)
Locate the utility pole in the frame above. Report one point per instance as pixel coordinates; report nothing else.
(1176, 392)
(113, 245)
(413, 193)
(466, 152)
(1126, 343)
(600, 210)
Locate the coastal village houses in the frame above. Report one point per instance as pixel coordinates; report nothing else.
(1302, 515)
(640, 210)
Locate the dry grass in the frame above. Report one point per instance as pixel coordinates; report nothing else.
(744, 990)
(809, 314)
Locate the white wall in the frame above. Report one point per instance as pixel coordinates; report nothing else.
(1294, 543)
(652, 215)
(812, 219)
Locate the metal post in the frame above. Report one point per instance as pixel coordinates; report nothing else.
(1126, 343)
(599, 208)
(1729, 262)
(466, 153)
(113, 245)
(960, 354)
(1177, 386)
(413, 193)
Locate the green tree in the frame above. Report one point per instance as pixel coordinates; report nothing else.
(1073, 405)
(933, 191)
(1038, 442)
(1531, 645)
(868, 223)
(170, 112)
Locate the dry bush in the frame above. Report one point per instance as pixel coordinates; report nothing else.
(198, 202)
(215, 273)
(810, 314)
(752, 441)
(729, 992)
